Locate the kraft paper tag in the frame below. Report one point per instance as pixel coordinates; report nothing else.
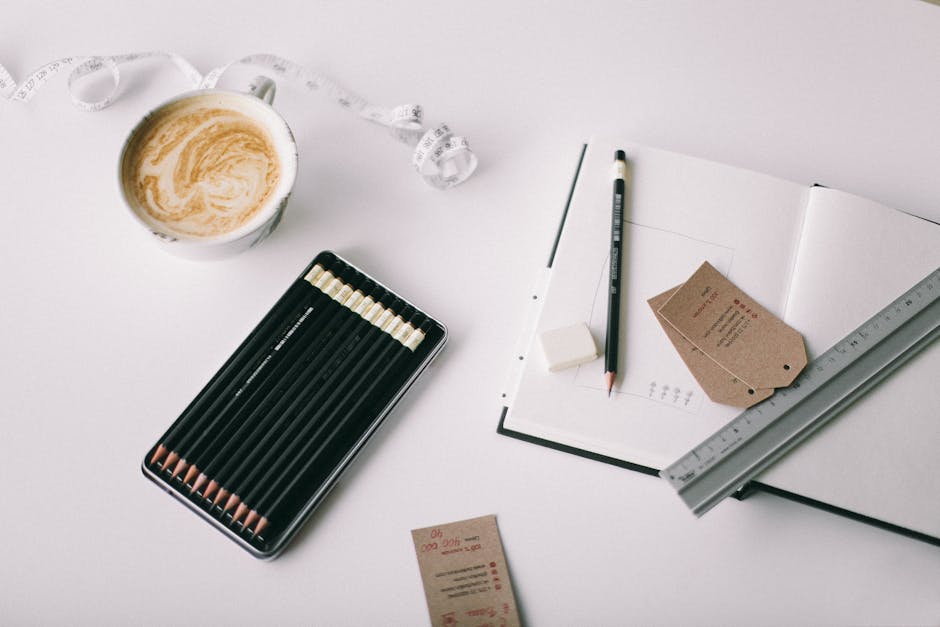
(466, 581)
(734, 331)
(720, 385)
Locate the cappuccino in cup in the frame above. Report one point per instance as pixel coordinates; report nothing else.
(209, 172)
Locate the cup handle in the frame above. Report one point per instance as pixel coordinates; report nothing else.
(263, 88)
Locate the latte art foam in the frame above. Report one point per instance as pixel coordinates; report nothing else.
(200, 169)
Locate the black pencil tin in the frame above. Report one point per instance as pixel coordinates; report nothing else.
(271, 433)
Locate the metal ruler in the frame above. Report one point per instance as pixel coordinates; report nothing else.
(763, 433)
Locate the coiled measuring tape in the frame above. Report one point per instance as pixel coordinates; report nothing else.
(757, 438)
(442, 158)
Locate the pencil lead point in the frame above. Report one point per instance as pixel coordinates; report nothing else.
(232, 502)
(210, 489)
(261, 526)
(609, 380)
(201, 479)
(192, 472)
(170, 460)
(251, 518)
(159, 453)
(240, 511)
(181, 465)
(221, 496)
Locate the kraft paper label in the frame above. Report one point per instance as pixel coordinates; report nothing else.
(720, 385)
(466, 581)
(734, 330)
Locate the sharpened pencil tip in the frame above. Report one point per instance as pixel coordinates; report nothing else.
(240, 511)
(210, 489)
(251, 518)
(200, 480)
(609, 380)
(221, 496)
(232, 502)
(170, 460)
(261, 525)
(158, 454)
(180, 467)
(190, 474)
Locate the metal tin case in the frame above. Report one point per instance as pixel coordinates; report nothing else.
(312, 492)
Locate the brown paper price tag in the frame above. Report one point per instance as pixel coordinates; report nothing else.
(720, 385)
(466, 581)
(736, 349)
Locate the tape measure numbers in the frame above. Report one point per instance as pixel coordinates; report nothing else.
(763, 433)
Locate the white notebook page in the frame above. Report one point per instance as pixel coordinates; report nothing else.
(682, 211)
(879, 458)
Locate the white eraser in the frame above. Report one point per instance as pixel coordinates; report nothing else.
(567, 347)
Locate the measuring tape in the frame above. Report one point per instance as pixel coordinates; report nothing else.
(440, 157)
(757, 438)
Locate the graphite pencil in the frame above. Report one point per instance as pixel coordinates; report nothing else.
(330, 392)
(233, 481)
(306, 335)
(243, 355)
(309, 456)
(245, 438)
(193, 440)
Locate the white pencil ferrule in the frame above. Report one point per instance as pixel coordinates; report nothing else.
(314, 274)
(618, 170)
(403, 332)
(374, 312)
(414, 340)
(383, 319)
(324, 279)
(343, 294)
(353, 301)
(393, 325)
(333, 288)
(363, 306)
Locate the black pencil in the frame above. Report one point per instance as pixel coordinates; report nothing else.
(192, 438)
(322, 419)
(283, 431)
(331, 393)
(305, 459)
(243, 357)
(245, 435)
(252, 443)
(613, 295)
(285, 357)
(290, 425)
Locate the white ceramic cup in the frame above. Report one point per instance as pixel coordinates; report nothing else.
(256, 103)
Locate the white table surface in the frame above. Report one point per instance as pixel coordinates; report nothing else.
(105, 338)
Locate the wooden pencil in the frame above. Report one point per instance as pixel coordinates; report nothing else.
(333, 425)
(307, 334)
(246, 439)
(317, 420)
(228, 375)
(193, 440)
(281, 436)
(231, 477)
(328, 394)
(236, 462)
(241, 435)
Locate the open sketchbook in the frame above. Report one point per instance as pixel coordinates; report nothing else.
(822, 260)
